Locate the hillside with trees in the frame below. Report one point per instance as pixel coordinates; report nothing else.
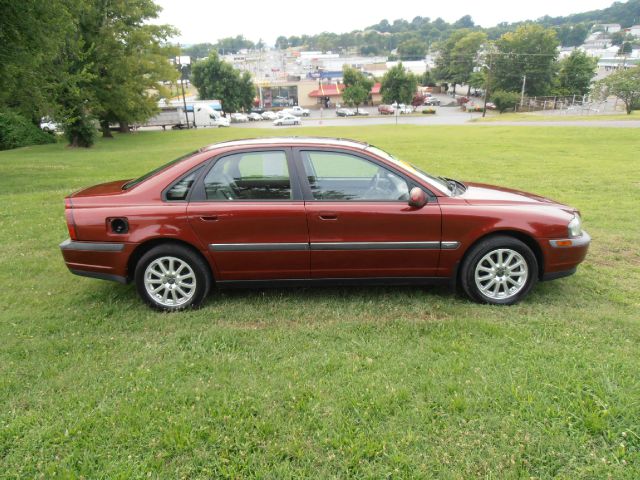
(412, 38)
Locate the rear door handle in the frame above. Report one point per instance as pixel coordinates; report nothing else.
(209, 218)
(328, 216)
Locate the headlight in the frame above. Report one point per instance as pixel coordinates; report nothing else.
(575, 227)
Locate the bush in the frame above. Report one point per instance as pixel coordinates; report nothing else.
(505, 100)
(16, 131)
(429, 111)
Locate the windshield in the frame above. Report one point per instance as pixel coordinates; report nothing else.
(430, 179)
(150, 174)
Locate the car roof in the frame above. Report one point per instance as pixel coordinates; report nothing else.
(293, 141)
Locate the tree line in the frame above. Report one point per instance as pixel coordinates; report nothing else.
(411, 39)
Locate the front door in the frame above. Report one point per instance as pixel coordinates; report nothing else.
(252, 217)
(360, 224)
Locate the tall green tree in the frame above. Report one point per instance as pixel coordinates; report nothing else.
(398, 85)
(33, 36)
(357, 86)
(130, 58)
(216, 79)
(624, 84)
(412, 49)
(532, 51)
(575, 73)
(465, 57)
(458, 56)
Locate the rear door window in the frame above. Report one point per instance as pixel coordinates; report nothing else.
(249, 176)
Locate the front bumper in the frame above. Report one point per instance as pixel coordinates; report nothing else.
(562, 256)
(103, 260)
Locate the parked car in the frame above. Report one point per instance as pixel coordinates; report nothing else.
(287, 120)
(404, 109)
(269, 115)
(431, 101)
(254, 117)
(299, 111)
(258, 110)
(386, 110)
(298, 211)
(362, 113)
(239, 118)
(345, 112)
(282, 113)
(48, 125)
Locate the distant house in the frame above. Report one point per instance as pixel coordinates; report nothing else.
(635, 30)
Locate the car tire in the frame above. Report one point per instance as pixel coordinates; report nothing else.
(180, 276)
(499, 270)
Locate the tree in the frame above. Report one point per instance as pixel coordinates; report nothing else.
(282, 43)
(427, 79)
(357, 86)
(413, 49)
(34, 35)
(457, 56)
(505, 100)
(130, 59)
(465, 57)
(532, 51)
(216, 79)
(398, 85)
(575, 73)
(198, 50)
(624, 84)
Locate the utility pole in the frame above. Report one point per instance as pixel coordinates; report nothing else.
(486, 86)
(184, 100)
(524, 82)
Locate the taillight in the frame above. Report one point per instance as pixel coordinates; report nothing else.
(71, 223)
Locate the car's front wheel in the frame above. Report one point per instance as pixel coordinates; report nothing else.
(499, 270)
(172, 277)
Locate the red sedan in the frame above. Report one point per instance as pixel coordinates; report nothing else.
(290, 211)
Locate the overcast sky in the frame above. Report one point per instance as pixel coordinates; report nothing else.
(208, 20)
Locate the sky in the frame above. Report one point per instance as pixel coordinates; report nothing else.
(202, 21)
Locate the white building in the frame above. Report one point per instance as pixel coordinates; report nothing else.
(635, 30)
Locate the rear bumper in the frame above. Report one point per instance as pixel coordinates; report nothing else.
(103, 260)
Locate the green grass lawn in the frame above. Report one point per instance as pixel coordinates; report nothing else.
(331, 382)
(542, 117)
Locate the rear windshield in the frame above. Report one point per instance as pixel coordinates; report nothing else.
(150, 174)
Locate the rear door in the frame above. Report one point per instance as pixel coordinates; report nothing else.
(251, 214)
(360, 224)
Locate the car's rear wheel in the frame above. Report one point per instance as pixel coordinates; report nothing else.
(499, 270)
(172, 277)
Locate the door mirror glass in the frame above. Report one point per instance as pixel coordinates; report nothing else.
(417, 198)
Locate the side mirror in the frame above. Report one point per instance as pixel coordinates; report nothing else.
(417, 198)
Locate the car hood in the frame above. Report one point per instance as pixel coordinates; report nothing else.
(482, 194)
(110, 188)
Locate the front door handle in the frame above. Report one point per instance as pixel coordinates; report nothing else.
(209, 218)
(328, 216)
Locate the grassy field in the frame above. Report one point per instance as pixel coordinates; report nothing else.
(542, 117)
(326, 383)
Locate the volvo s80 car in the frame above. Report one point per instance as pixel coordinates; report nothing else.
(314, 211)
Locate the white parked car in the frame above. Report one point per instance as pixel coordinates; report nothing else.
(254, 117)
(298, 111)
(239, 118)
(287, 120)
(48, 125)
(403, 109)
(269, 115)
